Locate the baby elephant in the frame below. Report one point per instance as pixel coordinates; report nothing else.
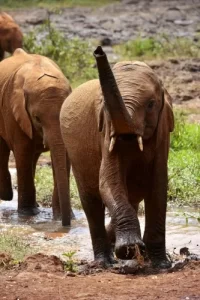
(116, 131)
(33, 89)
(11, 36)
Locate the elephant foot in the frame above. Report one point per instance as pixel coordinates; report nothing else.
(161, 263)
(127, 247)
(157, 255)
(104, 261)
(28, 211)
(57, 214)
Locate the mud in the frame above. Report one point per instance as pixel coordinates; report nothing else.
(121, 21)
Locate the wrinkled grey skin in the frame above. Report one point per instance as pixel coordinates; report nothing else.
(102, 124)
(33, 89)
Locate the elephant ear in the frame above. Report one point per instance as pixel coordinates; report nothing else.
(166, 120)
(168, 110)
(18, 105)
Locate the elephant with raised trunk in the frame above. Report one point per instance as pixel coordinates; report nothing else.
(116, 131)
(11, 36)
(33, 89)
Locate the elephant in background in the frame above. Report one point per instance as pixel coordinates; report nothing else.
(33, 89)
(11, 36)
(116, 131)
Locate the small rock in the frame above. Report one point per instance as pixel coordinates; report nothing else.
(70, 274)
(183, 22)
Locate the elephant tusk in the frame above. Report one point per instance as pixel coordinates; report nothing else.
(140, 143)
(112, 144)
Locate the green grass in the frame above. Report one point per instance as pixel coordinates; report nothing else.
(184, 162)
(74, 56)
(13, 4)
(44, 188)
(13, 244)
(161, 46)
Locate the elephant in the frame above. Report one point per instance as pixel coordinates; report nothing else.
(33, 89)
(11, 36)
(116, 131)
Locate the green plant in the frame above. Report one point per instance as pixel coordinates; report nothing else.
(70, 264)
(44, 187)
(159, 46)
(184, 158)
(52, 3)
(186, 136)
(13, 244)
(73, 56)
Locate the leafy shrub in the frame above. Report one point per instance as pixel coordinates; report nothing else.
(73, 56)
(159, 46)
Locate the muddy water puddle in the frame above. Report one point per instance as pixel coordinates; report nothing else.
(49, 237)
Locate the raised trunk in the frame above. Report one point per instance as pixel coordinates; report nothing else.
(114, 103)
(61, 172)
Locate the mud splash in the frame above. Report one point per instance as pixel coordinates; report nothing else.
(49, 237)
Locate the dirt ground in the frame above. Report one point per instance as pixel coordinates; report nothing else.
(44, 278)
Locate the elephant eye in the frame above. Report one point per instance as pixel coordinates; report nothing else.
(150, 104)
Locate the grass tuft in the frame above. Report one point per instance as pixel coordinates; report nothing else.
(160, 46)
(184, 162)
(52, 4)
(11, 243)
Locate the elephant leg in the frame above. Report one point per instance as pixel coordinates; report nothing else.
(95, 212)
(110, 229)
(6, 192)
(155, 215)
(55, 197)
(24, 157)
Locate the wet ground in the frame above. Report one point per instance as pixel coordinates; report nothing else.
(50, 237)
(41, 276)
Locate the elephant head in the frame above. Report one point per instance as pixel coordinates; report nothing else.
(134, 99)
(11, 36)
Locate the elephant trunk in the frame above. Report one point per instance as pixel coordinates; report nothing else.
(114, 103)
(61, 170)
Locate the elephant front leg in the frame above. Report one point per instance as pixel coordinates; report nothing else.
(6, 192)
(95, 212)
(155, 215)
(27, 204)
(124, 228)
